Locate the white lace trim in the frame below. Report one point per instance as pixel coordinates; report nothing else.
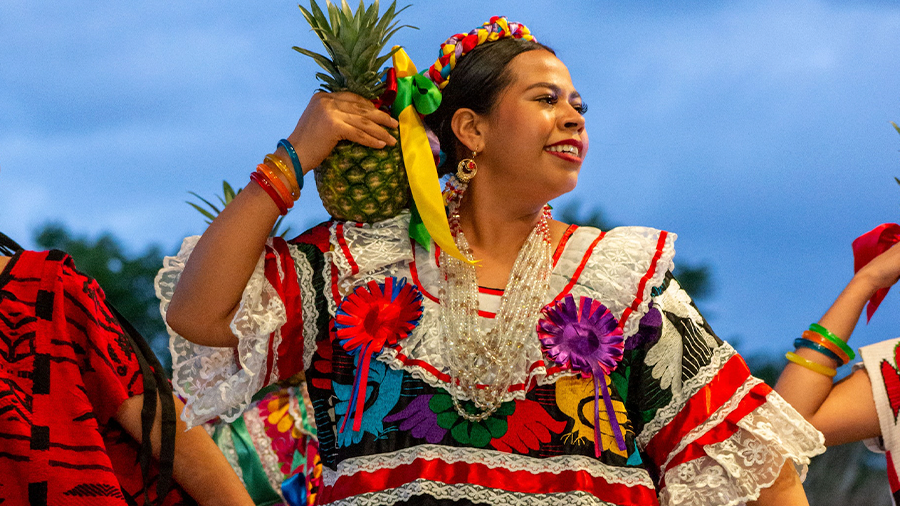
(664, 415)
(212, 380)
(465, 491)
(613, 273)
(631, 477)
(615, 268)
(735, 470)
(304, 273)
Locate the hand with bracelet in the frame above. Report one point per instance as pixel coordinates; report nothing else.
(844, 411)
(235, 239)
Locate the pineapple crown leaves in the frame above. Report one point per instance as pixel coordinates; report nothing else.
(227, 196)
(352, 42)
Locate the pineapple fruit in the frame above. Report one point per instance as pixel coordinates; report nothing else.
(355, 182)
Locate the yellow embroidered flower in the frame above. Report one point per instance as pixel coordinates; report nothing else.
(575, 398)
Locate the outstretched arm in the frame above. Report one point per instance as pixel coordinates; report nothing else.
(214, 278)
(199, 467)
(786, 490)
(844, 412)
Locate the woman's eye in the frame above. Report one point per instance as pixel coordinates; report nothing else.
(549, 99)
(582, 108)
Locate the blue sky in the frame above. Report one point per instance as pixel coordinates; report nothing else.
(758, 131)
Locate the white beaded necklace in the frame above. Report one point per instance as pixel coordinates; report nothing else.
(483, 364)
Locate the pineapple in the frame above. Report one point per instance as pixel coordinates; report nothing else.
(355, 182)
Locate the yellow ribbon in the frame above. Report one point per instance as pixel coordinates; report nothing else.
(420, 168)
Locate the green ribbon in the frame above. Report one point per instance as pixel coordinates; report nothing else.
(252, 470)
(418, 91)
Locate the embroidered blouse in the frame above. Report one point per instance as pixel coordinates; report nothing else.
(698, 428)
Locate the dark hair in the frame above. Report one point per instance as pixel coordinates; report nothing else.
(476, 82)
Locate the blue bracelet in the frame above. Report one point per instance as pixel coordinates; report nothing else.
(806, 343)
(298, 170)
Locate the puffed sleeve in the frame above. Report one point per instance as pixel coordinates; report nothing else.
(716, 434)
(277, 322)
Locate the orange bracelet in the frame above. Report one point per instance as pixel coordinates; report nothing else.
(826, 343)
(276, 183)
(288, 174)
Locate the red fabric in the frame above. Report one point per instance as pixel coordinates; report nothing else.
(699, 408)
(562, 243)
(660, 244)
(868, 246)
(476, 473)
(580, 269)
(755, 398)
(65, 368)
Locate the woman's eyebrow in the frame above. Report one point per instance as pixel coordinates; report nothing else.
(556, 89)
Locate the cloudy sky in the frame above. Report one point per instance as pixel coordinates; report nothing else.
(758, 131)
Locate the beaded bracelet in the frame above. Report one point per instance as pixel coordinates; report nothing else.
(264, 183)
(806, 343)
(276, 183)
(288, 174)
(815, 327)
(809, 364)
(295, 160)
(815, 337)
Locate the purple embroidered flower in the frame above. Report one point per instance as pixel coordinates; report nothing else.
(419, 420)
(585, 337)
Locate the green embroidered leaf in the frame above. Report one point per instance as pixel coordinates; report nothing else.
(496, 427)
(440, 403)
(446, 419)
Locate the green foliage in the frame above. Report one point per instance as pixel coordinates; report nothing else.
(126, 279)
(228, 194)
(695, 278)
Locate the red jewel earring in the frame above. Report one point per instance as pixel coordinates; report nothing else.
(466, 169)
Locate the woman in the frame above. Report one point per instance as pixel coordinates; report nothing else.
(75, 403)
(430, 382)
(863, 405)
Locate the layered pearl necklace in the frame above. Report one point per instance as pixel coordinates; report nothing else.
(483, 365)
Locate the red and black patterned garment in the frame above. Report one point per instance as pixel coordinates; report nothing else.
(65, 368)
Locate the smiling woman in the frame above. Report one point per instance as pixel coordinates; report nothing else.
(530, 362)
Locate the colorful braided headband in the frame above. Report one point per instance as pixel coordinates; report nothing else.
(460, 44)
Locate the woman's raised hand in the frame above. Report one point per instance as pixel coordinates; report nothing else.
(333, 117)
(883, 271)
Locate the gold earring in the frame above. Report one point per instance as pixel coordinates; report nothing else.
(466, 168)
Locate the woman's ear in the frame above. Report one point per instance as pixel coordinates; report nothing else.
(469, 129)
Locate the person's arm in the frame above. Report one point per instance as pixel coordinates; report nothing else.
(199, 467)
(211, 285)
(843, 412)
(787, 489)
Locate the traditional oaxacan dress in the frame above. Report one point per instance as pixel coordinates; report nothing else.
(882, 362)
(698, 428)
(65, 368)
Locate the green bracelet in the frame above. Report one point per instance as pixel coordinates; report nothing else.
(822, 331)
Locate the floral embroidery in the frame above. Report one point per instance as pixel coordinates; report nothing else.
(419, 420)
(529, 427)
(382, 394)
(587, 338)
(575, 398)
(477, 434)
(375, 315)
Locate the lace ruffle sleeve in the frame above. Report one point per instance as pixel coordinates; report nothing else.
(716, 434)
(222, 381)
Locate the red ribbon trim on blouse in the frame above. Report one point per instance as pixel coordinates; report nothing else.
(475, 473)
(755, 398)
(699, 408)
(868, 246)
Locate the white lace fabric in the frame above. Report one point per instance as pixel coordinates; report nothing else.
(735, 470)
(222, 381)
(465, 491)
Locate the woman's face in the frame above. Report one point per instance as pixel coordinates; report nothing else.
(535, 140)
